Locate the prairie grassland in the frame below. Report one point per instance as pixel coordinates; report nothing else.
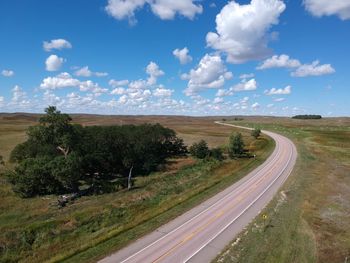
(36, 230)
(309, 220)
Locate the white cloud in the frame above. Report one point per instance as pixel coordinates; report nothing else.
(56, 44)
(182, 55)
(279, 99)
(270, 105)
(286, 91)
(53, 63)
(162, 92)
(242, 29)
(246, 76)
(7, 73)
(313, 69)
(118, 83)
(218, 100)
(19, 98)
(319, 8)
(154, 72)
(86, 72)
(246, 85)
(224, 93)
(255, 106)
(118, 91)
(209, 73)
(282, 61)
(65, 80)
(164, 9)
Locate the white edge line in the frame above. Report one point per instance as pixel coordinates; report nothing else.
(188, 221)
(252, 203)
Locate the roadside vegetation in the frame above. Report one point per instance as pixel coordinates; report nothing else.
(309, 219)
(35, 229)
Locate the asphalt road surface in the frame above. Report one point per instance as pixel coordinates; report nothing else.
(204, 231)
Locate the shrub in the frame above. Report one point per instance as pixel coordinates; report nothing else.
(200, 149)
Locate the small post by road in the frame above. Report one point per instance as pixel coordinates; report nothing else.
(264, 217)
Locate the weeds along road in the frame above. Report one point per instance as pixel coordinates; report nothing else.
(202, 232)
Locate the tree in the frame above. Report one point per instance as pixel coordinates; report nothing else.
(256, 133)
(200, 150)
(2, 160)
(217, 154)
(236, 145)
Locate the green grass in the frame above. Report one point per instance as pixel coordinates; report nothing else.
(36, 230)
(309, 220)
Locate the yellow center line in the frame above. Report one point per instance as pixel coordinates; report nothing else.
(213, 219)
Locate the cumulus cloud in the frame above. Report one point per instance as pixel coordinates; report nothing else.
(118, 91)
(279, 99)
(286, 91)
(182, 55)
(282, 61)
(154, 72)
(53, 63)
(246, 85)
(7, 73)
(255, 106)
(86, 72)
(65, 80)
(118, 83)
(209, 73)
(241, 30)
(56, 44)
(313, 69)
(162, 92)
(340, 8)
(164, 9)
(246, 76)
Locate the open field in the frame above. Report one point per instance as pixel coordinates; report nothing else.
(309, 221)
(36, 230)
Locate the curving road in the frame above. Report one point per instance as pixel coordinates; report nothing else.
(201, 233)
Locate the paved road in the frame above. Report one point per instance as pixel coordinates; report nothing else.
(201, 233)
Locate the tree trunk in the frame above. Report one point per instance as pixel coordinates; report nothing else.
(129, 178)
(64, 151)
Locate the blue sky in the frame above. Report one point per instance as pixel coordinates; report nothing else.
(184, 57)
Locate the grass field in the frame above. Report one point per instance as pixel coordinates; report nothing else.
(36, 230)
(309, 220)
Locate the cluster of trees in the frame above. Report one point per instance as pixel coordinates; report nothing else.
(235, 149)
(59, 157)
(201, 150)
(306, 117)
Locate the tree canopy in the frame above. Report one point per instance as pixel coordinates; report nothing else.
(61, 157)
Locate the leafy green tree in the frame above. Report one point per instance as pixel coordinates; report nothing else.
(33, 177)
(256, 133)
(236, 145)
(200, 149)
(217, 154)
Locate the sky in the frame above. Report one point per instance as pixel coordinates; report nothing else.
(183, 57)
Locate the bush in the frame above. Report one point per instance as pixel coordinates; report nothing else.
(256, 133)
(200, 149)
(217, 154)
